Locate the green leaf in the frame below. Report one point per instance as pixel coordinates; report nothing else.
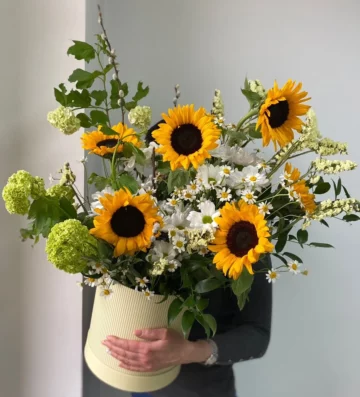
(114, 96)
(293, 256)
(60, 95)
(139, 155)
(67, 207)
(99, 117)
(187, 322)
(210, 320)
(347, 194)
(350, 218)
(283, 260)
(251, 96)
(282, 240)
(82, 78)
(243, 283)
(99, 96)
(322, 188)
(174, 310)
(253, 132)
(125, 88)
(85, 120)
(130, 105)
(190, 302)
(127, 181)
(105, 250)
(302, 236)
(200, 319)
(185, 278)
(292, 237)
(202, 304)
(321, 245)
(107, 68)
(82, 50)
(99, 181)
(79, 99)
(163, 167)
(107, 130)
(207, 285)
(338, 187)
(177, 178)
(140, 93)
(324, 223)
(243, 298)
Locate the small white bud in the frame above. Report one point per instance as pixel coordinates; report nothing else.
(110, 61)
(112, 51)
(114, 76)
(174, 100)
(121, 94)
(119, 102)
(103, 36)
(177, 94)
(177, 87)
(99, 20)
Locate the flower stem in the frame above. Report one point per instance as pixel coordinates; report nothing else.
(252, 113)
(79, 200)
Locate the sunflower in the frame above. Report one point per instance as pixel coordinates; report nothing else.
(291, 175)
(186, 136)
(279, 115)
(99, 143)
(126, 221)
(306, 199)
(241, 238)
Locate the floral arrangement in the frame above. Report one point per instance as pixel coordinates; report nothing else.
(190, 204)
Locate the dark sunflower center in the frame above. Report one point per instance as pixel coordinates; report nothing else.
(186, 139)
(278, 114)
(241, 238)
(127, 221)
(108, 143)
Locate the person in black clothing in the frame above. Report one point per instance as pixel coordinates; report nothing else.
(241, 335)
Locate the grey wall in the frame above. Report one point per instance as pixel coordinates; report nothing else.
(207, 44)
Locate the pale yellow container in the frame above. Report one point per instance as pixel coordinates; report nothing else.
(120, 315)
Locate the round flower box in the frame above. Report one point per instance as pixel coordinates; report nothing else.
(126, 311)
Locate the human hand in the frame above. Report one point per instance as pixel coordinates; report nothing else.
(160, 348)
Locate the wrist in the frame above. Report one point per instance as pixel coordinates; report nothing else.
(197, 352)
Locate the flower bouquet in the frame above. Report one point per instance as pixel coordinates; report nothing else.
(182, 208)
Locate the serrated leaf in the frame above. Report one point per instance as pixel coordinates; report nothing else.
(114, 96)
(79, 99)
(127, 181)
(187, 322)
(68, 208)
(251, 96)
(322, 188)
(350, 218)
(141, 92)
(243, 283)
(99, 181)
(174, 310)
(83, 78)
(210, 320)
(207, 285)
(60, 94)
(130, 105)
(321, 245)
(82, 50)
(99, 96)
(99, 117)
(177, 178)
(302, 236)
(85, 120)
(128, 149)
(293, 256)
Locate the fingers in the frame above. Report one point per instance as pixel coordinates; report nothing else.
(153, 334)
(122, 354)
(128, 345)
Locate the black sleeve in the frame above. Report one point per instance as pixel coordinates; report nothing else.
(251, 335)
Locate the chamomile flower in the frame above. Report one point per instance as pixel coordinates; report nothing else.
(173, 265)
(149, 294)
(188, 195)
(292, 193)
(179, 243)
(226, 171)
(194, 187)
(224, 194)
(172, 202)
(248, 196)
(253, 177)
(263, 167)
(142, 282)
(203, 251)
(91, 282)
(107, 293)
(294, 267)
(265, 208)
(205, 219)
(272, 275)
(219, 121)
(97, 268)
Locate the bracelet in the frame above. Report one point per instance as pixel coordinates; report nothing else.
(214, 354)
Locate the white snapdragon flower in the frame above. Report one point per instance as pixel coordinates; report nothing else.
(205, 219)
(235, 154)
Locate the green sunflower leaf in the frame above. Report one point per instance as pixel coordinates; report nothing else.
(243, 283)
(187, 322)
(253, 132)
(127, 181)
(174, 310)
(99, 96)
(100, 182)
(207, 285)
(177, 178)
(82, 50)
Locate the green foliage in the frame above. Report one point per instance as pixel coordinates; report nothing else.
(302, 236)
(243, 298)
(174, 310)
(78, 99)
(253, 132)
(99, 96)
(60, 94)
(243, 283)
(177, 178)
(322, 188)
(140, 93)
(210, 320)
(114, 95)
(83, 79)
(107, 130)
(163, 167)
(187, 322)
(82, 51)
(99, 117)
(293, 257)
(207, 285)
(127, 181)
(321, 245)
(351, 218)
(100, 182)
(85, 120)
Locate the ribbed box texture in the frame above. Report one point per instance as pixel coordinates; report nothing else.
(126, 311)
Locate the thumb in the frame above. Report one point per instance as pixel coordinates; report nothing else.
(152, 334)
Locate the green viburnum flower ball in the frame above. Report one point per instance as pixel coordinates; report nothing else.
(67, 245)
(22, 178)
(64, 120)
(60, 191)
(140, 117)
(37, 188)
(16, 199)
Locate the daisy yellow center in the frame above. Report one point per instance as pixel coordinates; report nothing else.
(173, 202)
(188, 195)
(147, 293)
(226, 171)
(242, 237)
(249, 196)
(273, 275)
(207, 219)
(108, 143)
(186, 139)
(98, 265)
(127, 221)
(278, 114)
(173, 233)
(91, 280)
(265, 208)
(179, 244)
(193, 187)
(294, 266)
(253, 178)
(106, 292)
(224, 195)
(171, 266)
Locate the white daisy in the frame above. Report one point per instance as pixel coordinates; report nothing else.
(292, 193)
(224, 194)
(253, 177)
(193, 187)
(107, 293)
(226, 171)
(142, 281)
(205, 218)
(179, 243)
(263, 167)
(90, 281)
(236, 179)
(97, 267)
(148, 294)
(248, 196)
(96, 196)
(265, 208)
(172, 202)
(173, 265)
(272, 275)
(219, 121)
(203, 251)
(188, 195)
(294, 267)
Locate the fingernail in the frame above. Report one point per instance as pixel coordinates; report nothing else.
(104, 342)
(138, 332)
(108, 351)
